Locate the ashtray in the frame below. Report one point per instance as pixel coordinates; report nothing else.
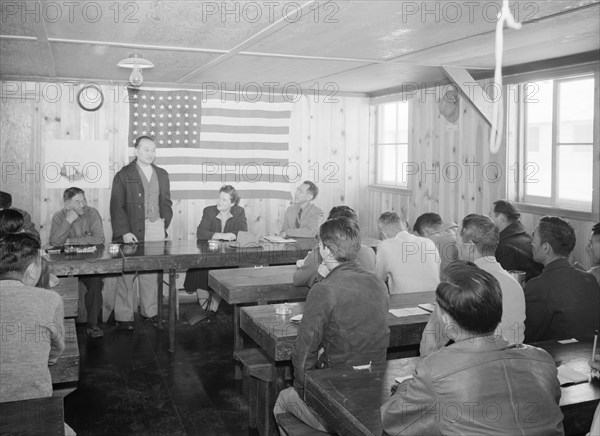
(283, 309)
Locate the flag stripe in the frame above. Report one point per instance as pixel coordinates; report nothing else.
(244, 194)
(248, 113)
(264, 130)
(233, 121)
(225, 177)
(184, 153)
(251, 146)
(214, 187)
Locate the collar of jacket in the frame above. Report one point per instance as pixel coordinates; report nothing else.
(131, 168)
(513, 229)
(489, 342)
(557, 264)
(343, 266)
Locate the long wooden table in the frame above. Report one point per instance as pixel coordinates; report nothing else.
(174, 256)
(349, 400)
(254, 286)
(276, 334)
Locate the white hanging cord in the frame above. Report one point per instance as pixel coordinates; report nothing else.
(497, 106)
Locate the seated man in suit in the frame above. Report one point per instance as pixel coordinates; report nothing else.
(430, 225)
(78, 224)
(409, 263)
(481, 384)
(312, 269)
(302, 219)
(563, 302)
(514, 249)
(28, 226)
(24, 372)
(477, 239)
(345, 314)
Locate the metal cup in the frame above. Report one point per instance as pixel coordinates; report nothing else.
(519, 276)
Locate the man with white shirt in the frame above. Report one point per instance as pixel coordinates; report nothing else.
(409, 263)
(477, 239)
(140, 210)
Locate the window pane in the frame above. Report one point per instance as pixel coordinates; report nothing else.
(576, 112)
(538, 151)
(402, 179)
(386, 168)
(403, 121)
(575, 172)
(387, 125)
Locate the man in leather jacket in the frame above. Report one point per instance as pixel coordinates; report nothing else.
(481, 384)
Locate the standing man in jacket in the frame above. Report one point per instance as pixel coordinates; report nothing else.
(514, 248)
(140, 210)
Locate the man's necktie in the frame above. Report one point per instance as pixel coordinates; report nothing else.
(298, 218)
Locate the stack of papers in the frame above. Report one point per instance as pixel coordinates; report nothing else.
(568, 376)
(408, 311)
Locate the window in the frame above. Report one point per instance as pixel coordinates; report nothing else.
(554, 136)
(391, 144)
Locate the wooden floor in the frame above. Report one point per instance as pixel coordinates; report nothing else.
(130, 385)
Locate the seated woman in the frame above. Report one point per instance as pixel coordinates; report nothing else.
(222, 221)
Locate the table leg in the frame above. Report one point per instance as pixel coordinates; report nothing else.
(238, 340)
(172, 308)
(159, 301)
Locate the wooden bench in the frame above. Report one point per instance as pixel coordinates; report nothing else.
(68, 289)
(259, 386)
(292, 426)
(66, 369)
(32, 417)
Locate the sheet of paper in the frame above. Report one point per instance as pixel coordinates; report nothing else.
(568, 375)
(427, 306)
(279, 239)
(408, 311)
(568, 341)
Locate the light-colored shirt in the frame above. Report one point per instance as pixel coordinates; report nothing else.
(32, 339)
(410, 263)
(512, 324)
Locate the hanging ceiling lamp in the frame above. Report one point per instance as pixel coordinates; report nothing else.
(137, 63)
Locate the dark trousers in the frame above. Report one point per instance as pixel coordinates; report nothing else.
(93, 297)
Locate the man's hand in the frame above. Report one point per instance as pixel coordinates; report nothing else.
(129, 238)
(71, 216)
(284, 234)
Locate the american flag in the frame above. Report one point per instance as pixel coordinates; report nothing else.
(205, 143)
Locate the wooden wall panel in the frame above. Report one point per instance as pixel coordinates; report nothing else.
(320, 132)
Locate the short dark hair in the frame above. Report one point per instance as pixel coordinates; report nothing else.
(342, 237)
(427, 220)
(312, 188)
(11, 221)
(141, 138)
(557, 232)
(481, 231)
(233, 194)
(342, 211)
(72, 192)
(471, 296)
(17, 252)
(5, 200)
(507, 208)
(389, 218)
(596, 229)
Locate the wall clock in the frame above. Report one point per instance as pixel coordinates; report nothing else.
(90, 98)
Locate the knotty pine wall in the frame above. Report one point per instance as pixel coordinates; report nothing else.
(326, 139)
(330, 141)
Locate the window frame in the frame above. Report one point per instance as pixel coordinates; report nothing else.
(516, 143)
(374, 145)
